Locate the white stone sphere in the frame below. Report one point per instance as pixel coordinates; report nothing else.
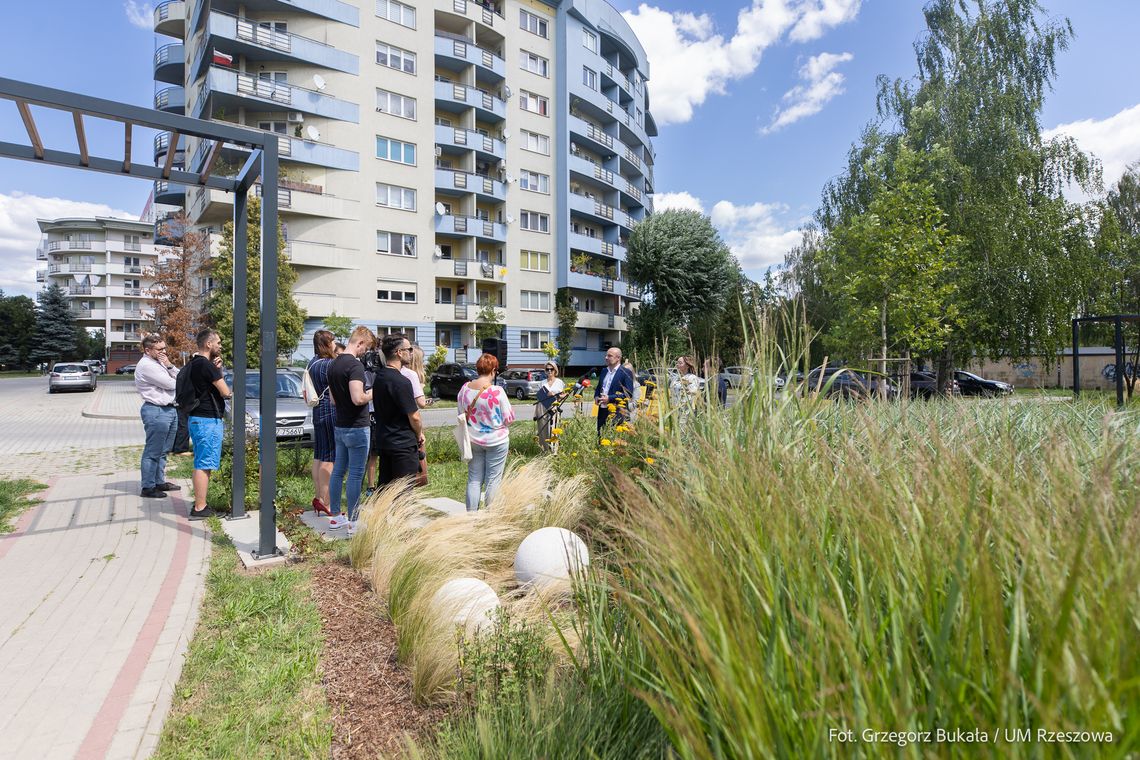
(550, 554)
(468, 602)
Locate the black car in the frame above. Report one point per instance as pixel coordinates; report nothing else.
(925, 385)
(973, 385)
(841, 382)
(126, 369)
(449, 378)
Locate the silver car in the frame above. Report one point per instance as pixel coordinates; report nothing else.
(522, 383)
(71, 376)
(294, 417)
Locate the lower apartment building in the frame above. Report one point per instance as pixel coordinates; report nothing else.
(102, 265)
(435, 157)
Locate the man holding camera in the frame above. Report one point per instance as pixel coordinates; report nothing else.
(155, 381)
(351, 431)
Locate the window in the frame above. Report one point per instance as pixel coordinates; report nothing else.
(528, 101)
(535, 64)
(395, 150)
(409, 332)
(533, 340)
(534, 221)
(534, 300)
(394, 196)
(442, 122)
(388, 290)
(589, 40)
(278, 127)
(444, 250)
(536, 143)
(395, 58)
(397, 105)
(535, 182)
(532, 23)
(534, 261)
(395, 243)
(281, 27)
(443, 295)
(404, 15)
(589, 78)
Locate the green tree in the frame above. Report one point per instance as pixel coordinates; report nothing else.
(290, 316)
(488, 324)
(54, 336)
(339, 326)
(567, 323)
(17, 328)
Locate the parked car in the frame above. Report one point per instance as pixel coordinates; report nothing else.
(974, 385)
(847, 383)
(65, 376)
(126, 369)
(521, 383)
(741, 377)
(294, 417)
(925, 385)
(449, 378)
(96, 365)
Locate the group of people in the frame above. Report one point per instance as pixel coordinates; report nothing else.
(197, 392)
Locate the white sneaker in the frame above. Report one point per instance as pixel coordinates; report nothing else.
(352, 527)
(337, 521)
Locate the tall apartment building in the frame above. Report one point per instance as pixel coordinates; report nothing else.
(436, 157)
(102, 265)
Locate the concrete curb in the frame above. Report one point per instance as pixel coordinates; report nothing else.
(93, 410)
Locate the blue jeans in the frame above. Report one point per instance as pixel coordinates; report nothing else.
(351, 456)
(160, 424)
(485, 470)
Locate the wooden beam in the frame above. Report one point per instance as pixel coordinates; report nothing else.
(30, 126)
(80, 137)
(170, 151)
(208, 169)
(127, 147)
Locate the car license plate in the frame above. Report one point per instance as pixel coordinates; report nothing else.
(290, 432)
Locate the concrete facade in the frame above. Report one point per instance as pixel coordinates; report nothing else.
(436, 157)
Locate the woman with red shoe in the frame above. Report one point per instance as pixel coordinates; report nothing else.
(324, 418)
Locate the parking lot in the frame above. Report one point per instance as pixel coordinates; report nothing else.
(32, 421)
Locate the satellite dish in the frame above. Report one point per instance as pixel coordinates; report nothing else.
(313, 133)
(439, 251)
(319, 81)
(440, 209)
(573, 147)
(507, 91)
(506, 134)
(510, 219)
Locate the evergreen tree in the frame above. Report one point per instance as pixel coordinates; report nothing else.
(17, 330)
(54, 338)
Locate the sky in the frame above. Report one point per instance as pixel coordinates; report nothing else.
(757, 104)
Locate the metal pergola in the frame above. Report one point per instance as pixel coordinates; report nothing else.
(262, 163)
(1117, 321)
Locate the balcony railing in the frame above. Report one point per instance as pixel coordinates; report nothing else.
(132, 269)
(132, 291)
(41, 254)
(461, 311)
(79, 290)
(486, 11)
(225, 81)
(632, 157)
(132, 246)
(69, 245)
(466, 50)
(81, 313)
(133, 314)
(41, 275)
(131, 336)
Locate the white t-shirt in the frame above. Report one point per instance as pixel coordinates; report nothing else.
(554, 388)
(417, 386)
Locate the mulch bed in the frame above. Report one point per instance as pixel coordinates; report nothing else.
(369, 692)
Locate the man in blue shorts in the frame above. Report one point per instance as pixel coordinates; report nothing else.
(204, 415)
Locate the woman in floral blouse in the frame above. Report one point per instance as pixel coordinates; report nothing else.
(489, 414)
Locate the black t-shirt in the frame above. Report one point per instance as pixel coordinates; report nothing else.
(393, 401)
(203, 375)
(344, 369)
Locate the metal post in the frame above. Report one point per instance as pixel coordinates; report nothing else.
(267, 443)
(240, 345)
(1118, 342)
(1076, 358)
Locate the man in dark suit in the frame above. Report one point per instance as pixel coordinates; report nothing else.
(615, 386)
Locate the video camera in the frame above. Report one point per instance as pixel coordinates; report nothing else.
(372, 360)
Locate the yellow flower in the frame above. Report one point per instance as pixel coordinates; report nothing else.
(573, 453)
(649, 460)
(606, 442)
(611, 408)
(557, 431)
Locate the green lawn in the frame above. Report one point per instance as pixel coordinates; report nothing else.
(14, 500)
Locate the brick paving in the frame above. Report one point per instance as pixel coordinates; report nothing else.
(100, 588)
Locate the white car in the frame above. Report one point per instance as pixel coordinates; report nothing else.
(71, 376)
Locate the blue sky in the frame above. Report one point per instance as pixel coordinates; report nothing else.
(758, 103)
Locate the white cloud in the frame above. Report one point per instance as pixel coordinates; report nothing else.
(19, 234)
(822, 84)
(759, 234)
(1115, 140)
(139, 14)
(688, 59)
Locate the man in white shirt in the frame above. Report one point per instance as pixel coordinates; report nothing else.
(155, 380)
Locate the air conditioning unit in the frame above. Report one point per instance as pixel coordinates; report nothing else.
(296, 117)
(438, 151)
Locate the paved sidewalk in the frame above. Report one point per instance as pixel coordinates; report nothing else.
(99, 595)
(114, 400)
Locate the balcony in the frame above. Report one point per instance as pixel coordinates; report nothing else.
(612, 77)
(598, 211)
(296, 200)
(232, 88)
(309, 253)
(485, 188)
(170, 18)
(256, 43)
(41, 275)
(41, 254)
(449, 50)
(599, 320)
(162, 145)
(487, 148)
(471, 269)
(325, 304)
(334, 10)
(120, 336)
(457, 97)
(487, 13)
(170, 63)
(296, 149)
(594, 138)
(588, 169)
(448, 224)
(171, 100)
(79, 290)
(169, 194)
